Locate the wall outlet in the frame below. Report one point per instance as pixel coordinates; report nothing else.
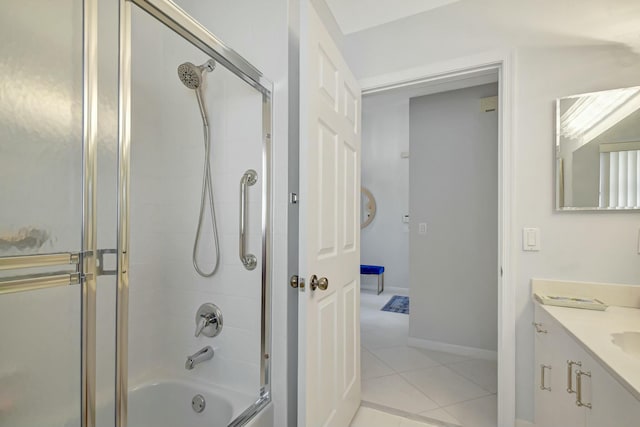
(422, 228)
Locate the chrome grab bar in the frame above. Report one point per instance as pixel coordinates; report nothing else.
(38, 260)
(250, 177)
(37, 281)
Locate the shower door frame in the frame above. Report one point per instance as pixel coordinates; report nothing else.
(174, 18)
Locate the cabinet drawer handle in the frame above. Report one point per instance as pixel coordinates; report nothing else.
(579, 401)
(542, 377)
(570, 364)
(538, 327)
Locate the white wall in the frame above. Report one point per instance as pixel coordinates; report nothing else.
(385, 135)
(454, 190)
(560, 49)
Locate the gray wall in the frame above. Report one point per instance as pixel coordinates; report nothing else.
(453, 176)
(385, 135)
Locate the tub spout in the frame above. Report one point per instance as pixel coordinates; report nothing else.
(199, 357)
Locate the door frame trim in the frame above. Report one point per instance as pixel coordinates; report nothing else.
(501, 61)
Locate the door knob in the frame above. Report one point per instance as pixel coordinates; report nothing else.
(321, 283)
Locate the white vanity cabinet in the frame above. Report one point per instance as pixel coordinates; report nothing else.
(554, 406)
(576, 390)
(611, 404)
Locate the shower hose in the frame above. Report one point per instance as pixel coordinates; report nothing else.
(207, 190)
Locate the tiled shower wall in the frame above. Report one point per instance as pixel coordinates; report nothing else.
(166, 176)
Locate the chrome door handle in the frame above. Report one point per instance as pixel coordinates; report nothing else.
(542, 377)
(570, 364)
(321, 283)
(579, 401)
(249, 178)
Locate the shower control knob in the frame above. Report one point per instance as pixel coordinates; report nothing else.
(208, 320)
(321, 283)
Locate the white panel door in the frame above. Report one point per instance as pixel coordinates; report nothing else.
(329, 333)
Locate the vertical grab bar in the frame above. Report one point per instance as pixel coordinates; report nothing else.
(250, 177)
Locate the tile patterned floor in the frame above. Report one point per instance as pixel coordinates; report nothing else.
(368, 417)
(440, 386)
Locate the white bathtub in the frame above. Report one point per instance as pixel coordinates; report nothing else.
(168, 404)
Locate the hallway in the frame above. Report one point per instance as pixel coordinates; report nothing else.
(419, 383)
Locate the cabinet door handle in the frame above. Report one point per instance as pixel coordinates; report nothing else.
(579, 401)
(570, 364)
(542, 377)
(538, 327)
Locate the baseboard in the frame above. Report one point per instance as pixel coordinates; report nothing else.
(523, 423)
(387, 289)
(396, 290)
(461, 350)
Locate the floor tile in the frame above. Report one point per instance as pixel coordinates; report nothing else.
(395, 392)
(481, 372)
(367, 417)
(372, 367)
(374, 340)
(444, 358)
(444, 386)
(481, 412)
(440, 415)
(413, 423)
(402, 359)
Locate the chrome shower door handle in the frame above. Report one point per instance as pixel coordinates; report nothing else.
(249, 178)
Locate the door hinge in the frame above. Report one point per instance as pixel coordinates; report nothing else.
(293, 198)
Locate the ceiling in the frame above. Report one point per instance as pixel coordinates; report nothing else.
(358, 15)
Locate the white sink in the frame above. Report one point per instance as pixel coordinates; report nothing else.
(629, 342)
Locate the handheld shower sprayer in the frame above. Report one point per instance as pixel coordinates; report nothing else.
(192, 76)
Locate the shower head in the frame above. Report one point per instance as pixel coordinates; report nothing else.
(191, 75)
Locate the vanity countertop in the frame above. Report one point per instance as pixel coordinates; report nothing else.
(595, 330)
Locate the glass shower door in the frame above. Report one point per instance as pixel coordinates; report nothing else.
(41, 148)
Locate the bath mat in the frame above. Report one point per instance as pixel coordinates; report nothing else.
(397, 304)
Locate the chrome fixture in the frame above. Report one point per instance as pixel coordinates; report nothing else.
(208, 320)
(192, 76)
(198, 403)
(199, 357)
(250, 177)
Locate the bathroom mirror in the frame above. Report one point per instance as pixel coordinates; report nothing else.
(598, 151)
(368, 207)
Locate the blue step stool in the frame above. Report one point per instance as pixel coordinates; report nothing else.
(377, 270)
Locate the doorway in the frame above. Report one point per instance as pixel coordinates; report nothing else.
(418, 364)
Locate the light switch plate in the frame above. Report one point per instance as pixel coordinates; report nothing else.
(531, 239)
(422, 228)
